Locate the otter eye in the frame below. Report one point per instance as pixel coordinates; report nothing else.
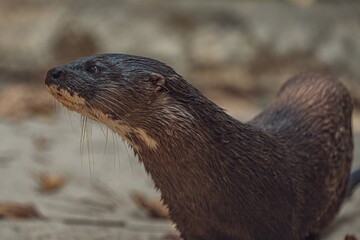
(93, 69)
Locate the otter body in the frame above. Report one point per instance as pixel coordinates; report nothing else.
(283, 175)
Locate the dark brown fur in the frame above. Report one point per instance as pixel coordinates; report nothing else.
(283, 175)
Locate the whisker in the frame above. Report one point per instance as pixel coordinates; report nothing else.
(70, 121)
(92, 156)
(86, 142)
(118, 152)
(106, 137)
(116, 145)
(113, 102)
(88, 145)
(117, 115)
(106, 140)
(82, 137)
(54, 104)
(131, 165)
(113, 141)
(116, 100)
(121, 119)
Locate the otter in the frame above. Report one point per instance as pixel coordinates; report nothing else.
(282, 175)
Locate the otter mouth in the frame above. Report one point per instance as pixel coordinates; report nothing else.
(55, 83)
(74, 102)
(69, 99)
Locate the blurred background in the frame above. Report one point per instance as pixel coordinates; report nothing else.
(62, 177)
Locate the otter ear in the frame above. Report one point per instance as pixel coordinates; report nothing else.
(157, 80)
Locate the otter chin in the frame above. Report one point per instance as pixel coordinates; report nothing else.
(282, 175)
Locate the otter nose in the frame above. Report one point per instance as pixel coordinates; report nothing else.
(54, 75)
(57, 73)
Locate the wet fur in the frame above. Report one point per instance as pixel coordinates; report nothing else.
(283, 175)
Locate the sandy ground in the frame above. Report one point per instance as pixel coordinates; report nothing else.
(97, 187)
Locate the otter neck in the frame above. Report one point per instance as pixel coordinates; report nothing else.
(186, 157)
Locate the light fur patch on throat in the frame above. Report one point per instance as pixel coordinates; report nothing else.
(125, 131)
(146, 138)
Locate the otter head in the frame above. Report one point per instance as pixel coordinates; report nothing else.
(118, 90)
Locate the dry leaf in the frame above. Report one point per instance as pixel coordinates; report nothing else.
(18, 211)
(155, 208)
(50, 183)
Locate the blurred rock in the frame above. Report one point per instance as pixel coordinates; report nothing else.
(214, 45)
(342, 47)
(71, 42)
(229, 79)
